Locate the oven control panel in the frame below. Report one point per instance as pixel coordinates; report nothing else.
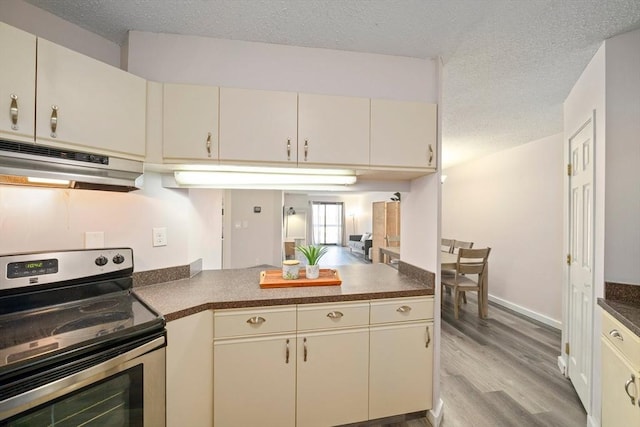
(50, 267)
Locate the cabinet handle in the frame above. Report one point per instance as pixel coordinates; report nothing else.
(430, 154)
(54, 121)
(306, 149)
(304, 345)
(616, 334)
(256, 320)
(13, 110)
(428, 338)
(288, 149)
(287, 354)
(404, 309)
(335, 315)
(209, 144)
(626, 388)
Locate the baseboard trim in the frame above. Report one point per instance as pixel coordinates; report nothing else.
(435, 415)
(562, 365)
(526, 312)
(592, 422)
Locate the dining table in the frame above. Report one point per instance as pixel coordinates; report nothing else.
(449, 261)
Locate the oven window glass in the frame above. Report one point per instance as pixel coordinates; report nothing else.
(115, 401)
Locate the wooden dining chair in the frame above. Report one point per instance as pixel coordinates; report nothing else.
(446, 245)
(470, 262)
(392, 241)
(457, 244)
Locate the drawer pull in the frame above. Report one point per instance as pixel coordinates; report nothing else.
(335, 315)
(626, 388)
(256, 320)
(287, 353)
(13, 110)
(208, 144)
(289, 149)
(404, 309)
(304, 344)
(430, 154)
(428, 338)
(54, 121)
(306, 149)
(616, 334)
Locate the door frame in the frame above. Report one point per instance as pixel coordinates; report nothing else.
(563, 359)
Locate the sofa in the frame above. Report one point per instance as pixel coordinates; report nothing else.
(360, 244)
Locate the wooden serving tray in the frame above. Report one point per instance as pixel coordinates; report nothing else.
(273, 279)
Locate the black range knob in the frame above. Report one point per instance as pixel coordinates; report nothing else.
(118, 259)
(101, 260)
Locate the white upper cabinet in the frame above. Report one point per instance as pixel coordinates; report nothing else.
(258, 126)
(403, 134)
(86, 104)
(17, 84)
(333, 130)
(190, 122)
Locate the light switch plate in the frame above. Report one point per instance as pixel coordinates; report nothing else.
(94, 239)
(159, 236)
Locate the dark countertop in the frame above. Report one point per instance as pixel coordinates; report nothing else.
(236, 288)
(627, 313)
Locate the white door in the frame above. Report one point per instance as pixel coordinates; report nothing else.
(581, 207)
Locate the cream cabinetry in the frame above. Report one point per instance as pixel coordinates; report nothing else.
(86, 104)
(401, 356)
(403, 134)
(255, 367)
(17, 84)
(333, 356)
(620, 374)
(190, 371)
(190, 122)
(333, 130)
(258, 126)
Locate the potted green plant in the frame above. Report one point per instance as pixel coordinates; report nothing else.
(313, 254)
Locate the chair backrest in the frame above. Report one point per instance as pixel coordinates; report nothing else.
(446, 245)
(472, 261)
(457, 244)
(392, 240)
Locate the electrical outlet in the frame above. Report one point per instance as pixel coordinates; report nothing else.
(159, 236)
(94, 239)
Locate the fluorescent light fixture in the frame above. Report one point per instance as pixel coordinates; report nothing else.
(234, 178)
(49, 181)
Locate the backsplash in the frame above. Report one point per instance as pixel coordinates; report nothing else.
(622, 292)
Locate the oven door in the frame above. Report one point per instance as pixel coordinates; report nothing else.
(125, 390)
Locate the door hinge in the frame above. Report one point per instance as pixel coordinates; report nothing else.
(568, 259)
(569, 169)
(566, 348)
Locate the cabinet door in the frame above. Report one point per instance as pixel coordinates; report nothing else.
(190, 371)
(190, 122)
(255, 381)
(332, 377)
(401, 367)
(403, 134)
(333, 130)
(258, 126)
(618, 409)
(17, 84)
(95, 106)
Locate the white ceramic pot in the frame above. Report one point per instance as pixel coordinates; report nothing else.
(312, 271)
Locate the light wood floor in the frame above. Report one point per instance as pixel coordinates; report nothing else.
(500, 371)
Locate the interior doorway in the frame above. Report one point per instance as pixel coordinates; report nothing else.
(328, 223)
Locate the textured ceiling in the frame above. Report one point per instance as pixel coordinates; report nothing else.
(509, 64)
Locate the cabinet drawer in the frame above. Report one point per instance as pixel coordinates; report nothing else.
(332, 315)
(401, 309)
(622, 338)
(254, 321)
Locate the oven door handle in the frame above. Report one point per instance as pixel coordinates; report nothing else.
(39, 395)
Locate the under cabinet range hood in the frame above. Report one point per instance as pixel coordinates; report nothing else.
(38, 165)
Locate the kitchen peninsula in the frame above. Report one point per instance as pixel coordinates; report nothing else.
(321, 355)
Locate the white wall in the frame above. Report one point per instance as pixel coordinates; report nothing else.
(46, 25)
(38, 219)
(587, 96)
(622, 192)
(511, 201)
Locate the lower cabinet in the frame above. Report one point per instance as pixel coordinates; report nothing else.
(190, 371)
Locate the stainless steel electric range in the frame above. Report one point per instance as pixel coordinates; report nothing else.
(77, 346)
